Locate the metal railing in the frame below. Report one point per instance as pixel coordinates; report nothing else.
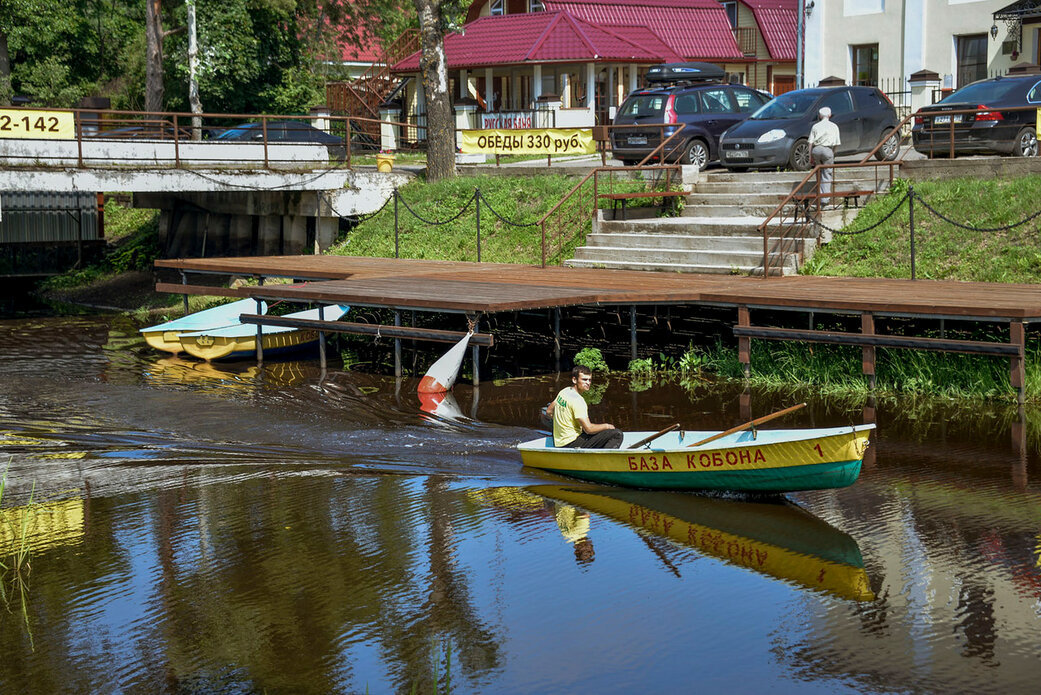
(574, 213)
(103, 138)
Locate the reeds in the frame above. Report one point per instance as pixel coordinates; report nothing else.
(15, 566)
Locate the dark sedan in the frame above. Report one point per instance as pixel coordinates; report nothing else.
(989, 127)
(286, 131)
(776, 135)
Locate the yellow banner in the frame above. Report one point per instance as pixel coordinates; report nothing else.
(37, 125)
(542, 141)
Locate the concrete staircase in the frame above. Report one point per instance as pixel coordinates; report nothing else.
(718, 230)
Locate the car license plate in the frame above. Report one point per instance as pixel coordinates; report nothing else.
(735, 154)
(637, 140)
(940, 120)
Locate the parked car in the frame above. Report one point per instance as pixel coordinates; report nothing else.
(988, 130)
(286, 131)
(142, 132)
(691, 93)
(776, 135)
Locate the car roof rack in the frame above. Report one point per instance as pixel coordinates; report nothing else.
(671, 73)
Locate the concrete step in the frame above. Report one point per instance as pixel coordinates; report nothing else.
(664, 267)
(753, 187)
(695, 226)
(736, 259)
(742, 244)
(733, 197)
(748, 179)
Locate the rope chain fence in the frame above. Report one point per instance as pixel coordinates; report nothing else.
(910, 197)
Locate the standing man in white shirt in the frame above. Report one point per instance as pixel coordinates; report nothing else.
(824, 138)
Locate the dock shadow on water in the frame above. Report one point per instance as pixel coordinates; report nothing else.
(235, 528)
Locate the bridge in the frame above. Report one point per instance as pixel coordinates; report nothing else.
(266, 184)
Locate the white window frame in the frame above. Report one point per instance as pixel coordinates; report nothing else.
(536, 6)
(497, 7)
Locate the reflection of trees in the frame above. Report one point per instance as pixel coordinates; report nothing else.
(278, 585)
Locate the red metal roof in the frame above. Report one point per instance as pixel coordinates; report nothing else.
(694, 29)
(777, 20)
(541, 37)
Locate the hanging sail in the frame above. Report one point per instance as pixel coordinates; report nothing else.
(442, 374)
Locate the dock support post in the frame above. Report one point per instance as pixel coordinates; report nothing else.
(632, 332)
(397, 347)
(744, 353)
(260, 335)
(556, 337)
(476, 353)
(321, 339)
(1017, 377)
(1019, 445)
(867, 327)
(184, 281)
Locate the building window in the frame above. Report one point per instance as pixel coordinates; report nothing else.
(865, 65)
(498, 7)
(536, 6)
(731, 10)
(972, 58)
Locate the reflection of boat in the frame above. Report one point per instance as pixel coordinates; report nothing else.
(240, 340)
(167, 336)
(750, 461)
(180, 370)
(774, 538)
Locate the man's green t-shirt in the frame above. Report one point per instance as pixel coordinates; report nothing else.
(568, 407)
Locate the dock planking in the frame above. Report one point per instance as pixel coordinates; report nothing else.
(493, 287)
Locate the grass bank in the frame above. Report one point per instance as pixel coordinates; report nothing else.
(944, 251)
(511, 208)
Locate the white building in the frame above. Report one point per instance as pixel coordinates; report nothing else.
(884, 42)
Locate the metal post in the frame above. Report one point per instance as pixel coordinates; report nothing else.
(477, 196)
(556, 336)
(260, 335)
(263, 125)
(184, 281)
(910, 218)
(396, 254)
(632, 331)
(397, 347)
(744, 355)
(1017, 376)
(476, 353)
(867, 327)
(321, 338)
(176, 144)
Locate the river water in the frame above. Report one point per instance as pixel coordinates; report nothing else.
(203, 528)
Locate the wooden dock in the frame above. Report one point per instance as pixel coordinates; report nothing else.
(489, 288)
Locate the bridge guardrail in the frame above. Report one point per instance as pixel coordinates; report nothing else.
(101, 138)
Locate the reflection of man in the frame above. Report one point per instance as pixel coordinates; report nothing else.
(571, 425)
(574, 526)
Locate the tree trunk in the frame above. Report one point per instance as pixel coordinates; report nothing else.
(5, 71)
(153, 56)
(193, 68)
(434, 70)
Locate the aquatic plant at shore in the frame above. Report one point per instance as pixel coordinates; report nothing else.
(591, 357)
(17, 563)
(835, 369)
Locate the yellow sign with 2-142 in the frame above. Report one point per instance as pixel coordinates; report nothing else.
(541, 141)
(36, 125)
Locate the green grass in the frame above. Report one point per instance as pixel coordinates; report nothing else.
(518, 200)
(944, 251)
(836, 370)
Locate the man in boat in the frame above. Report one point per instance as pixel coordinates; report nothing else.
(571, 425)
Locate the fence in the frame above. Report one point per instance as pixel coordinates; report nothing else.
(110, 138)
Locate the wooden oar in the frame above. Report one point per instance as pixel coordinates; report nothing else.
(647, 440)
(750, 423)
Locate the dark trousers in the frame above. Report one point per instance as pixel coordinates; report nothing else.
(607, 439)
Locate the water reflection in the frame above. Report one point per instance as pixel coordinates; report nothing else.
(775, 538)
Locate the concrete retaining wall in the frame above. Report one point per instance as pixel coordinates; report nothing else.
(971, 167)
